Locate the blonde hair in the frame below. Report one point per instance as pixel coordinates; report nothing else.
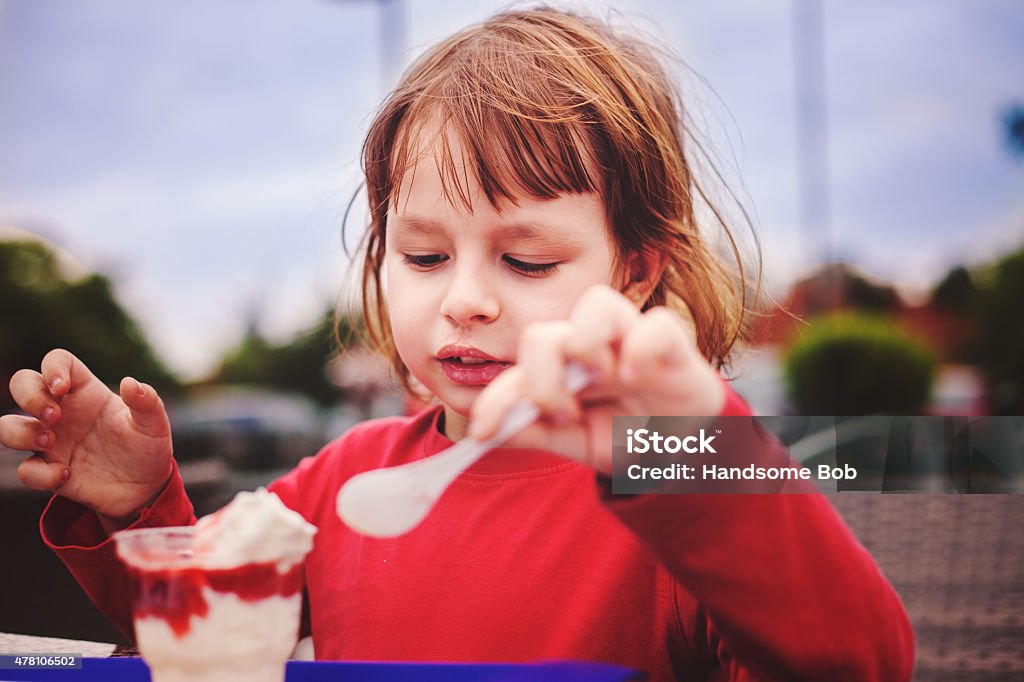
(548, 102)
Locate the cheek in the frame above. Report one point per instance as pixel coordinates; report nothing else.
(556, 301)
(408, 343)
(410, 309)
(402, 305)
(562, 295)
(395, 297)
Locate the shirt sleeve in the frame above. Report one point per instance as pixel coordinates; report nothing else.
(74, 533)
(785, 590)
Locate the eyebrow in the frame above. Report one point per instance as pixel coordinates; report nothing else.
(525, 230)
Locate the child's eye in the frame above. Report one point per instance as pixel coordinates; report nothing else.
(532, 269)
(426, 261)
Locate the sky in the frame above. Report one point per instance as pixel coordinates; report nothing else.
(201, 153)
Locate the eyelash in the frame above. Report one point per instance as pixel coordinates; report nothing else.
(423, 261)
(531, 269)
(522, 267)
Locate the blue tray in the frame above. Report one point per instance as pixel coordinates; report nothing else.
(134, 670)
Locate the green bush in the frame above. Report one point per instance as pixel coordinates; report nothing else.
(852, 363)
(999, 348)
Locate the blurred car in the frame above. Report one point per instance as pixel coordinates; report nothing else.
(248, 428)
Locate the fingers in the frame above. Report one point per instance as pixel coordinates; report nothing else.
(605, 332)
(63, 372)
(37, 473)
(146, 407)
(664, 345)
(492, 404)
(658, 341)
(599, 321)
(541, 361)
(592, 336)
(32, 395)
(24, 433)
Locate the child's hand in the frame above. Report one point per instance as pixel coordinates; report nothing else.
(111, 453)
(645, 364)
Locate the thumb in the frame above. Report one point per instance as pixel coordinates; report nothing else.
(146, 407)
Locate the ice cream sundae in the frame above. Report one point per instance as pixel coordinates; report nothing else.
(220, 600)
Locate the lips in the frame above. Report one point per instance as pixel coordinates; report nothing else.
(470, 366)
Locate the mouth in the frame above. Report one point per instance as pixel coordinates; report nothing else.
(470, 366)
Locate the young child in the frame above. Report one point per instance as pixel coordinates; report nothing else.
(531, 203)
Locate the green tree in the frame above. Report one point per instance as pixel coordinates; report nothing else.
(42, 310)
(956, 292)
(865, 295)
(1000, 338)
(299, 366)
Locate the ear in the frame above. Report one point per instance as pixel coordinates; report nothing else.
(643, 272)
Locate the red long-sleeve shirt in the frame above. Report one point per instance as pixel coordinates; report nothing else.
(525, 557)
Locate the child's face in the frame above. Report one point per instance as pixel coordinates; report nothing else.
(466, 284)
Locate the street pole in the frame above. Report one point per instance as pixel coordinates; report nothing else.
(812, 134)
(391, 36)
(392, 40)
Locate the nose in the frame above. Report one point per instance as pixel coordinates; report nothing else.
(470, 298)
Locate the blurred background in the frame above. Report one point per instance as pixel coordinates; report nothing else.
(174, 177)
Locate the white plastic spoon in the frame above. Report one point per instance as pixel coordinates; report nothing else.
(388, 502)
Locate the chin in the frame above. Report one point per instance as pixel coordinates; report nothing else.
(461, 400)
(457, 398)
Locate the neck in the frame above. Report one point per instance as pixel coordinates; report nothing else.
(455, 425)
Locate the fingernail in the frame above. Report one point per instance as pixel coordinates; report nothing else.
(56, 384)
(43, 440)
(66, 474)
(47, 413)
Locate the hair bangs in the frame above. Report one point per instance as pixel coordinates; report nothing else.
(495, 137)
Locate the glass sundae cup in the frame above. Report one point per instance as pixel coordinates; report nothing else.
(204, 611)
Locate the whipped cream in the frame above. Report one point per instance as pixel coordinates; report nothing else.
(256, 527)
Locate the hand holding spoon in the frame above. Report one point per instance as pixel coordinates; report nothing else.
(392, 501)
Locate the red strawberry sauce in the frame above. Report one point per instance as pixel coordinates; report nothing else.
(176, 594)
